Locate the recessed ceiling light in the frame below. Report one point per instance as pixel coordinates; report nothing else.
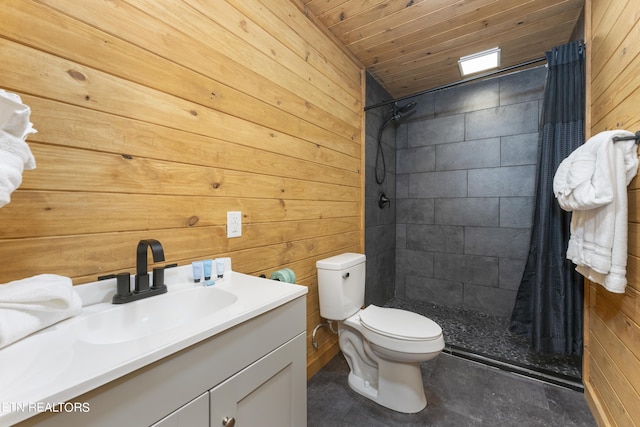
(480, 61)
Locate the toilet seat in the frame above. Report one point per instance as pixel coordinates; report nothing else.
(399, 324)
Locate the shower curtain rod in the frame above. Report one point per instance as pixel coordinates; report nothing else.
(447, 86)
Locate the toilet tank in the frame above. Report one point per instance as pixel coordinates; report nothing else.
(341, 281)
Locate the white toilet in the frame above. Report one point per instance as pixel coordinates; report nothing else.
(383, 346)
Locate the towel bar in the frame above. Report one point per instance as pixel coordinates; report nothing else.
(636, 137)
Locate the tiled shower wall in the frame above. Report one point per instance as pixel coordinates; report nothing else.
(465, 177)
(380, 224)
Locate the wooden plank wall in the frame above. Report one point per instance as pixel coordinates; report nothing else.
(156, 117)
(612, 352)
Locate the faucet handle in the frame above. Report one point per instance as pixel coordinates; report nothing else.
(123, 283)
(158, 275)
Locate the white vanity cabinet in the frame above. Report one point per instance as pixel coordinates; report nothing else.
(254, 372)
(263, 394)
(193, 414)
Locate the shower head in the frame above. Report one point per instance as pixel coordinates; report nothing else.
(399, 111)
(406, 107)
(396, 113)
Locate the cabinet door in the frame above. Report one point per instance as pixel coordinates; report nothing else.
(270, 392)
(193, 414)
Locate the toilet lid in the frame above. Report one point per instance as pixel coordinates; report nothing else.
(397, 323)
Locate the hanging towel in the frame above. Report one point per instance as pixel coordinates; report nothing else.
(15, 155)
(31, 304)
(592, 183)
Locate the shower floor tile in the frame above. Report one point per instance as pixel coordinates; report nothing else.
(486, 338)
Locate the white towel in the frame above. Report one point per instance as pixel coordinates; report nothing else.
(14, 115)
(15, 155)
(592, 182)
(31, 304)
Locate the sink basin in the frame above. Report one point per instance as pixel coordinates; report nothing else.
(139, 319)
(28, 368)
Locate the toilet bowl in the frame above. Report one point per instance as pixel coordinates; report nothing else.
(383, 346)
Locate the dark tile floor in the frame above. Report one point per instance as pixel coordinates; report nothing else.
(459, 392)
(486, 376)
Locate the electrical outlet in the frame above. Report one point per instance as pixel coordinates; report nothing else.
(234, 224)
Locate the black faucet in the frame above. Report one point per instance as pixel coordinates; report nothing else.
(141, 287)
(142, 277)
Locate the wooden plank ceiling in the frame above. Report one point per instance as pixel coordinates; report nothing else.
(413, 45)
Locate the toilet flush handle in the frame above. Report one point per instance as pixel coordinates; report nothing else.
(345, 275)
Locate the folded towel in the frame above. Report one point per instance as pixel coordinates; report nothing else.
(13, 145)
(31, 304)
(14, 115)
(15, 155)
(592, 183)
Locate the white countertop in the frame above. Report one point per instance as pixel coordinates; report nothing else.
(68, 359)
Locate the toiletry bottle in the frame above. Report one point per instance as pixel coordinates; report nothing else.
(197, 271)
(207, 264)
(220, 267)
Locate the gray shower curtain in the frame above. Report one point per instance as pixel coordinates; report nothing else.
(548, 307)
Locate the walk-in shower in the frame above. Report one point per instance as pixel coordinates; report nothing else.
(454, 243)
